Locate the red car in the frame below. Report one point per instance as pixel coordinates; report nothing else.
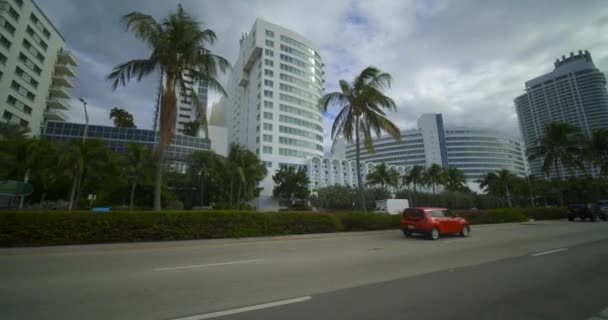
(433, 222)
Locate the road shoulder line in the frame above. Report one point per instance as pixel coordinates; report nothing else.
(245, 309)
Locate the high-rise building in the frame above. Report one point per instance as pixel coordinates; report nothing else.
(574, 92)
(187, 108)
(271, 107)
(35, 69)
(475, 151)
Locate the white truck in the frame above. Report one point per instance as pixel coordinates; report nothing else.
(392, 206)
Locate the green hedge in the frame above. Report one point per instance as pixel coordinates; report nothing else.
(359, 221)
(505, 215)
(18, 228)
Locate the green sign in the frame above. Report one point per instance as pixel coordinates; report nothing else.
(15, 188)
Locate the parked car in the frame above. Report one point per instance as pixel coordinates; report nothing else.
(433, 222)
(602, 208)
(585, 211)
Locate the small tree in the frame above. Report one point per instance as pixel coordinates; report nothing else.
(291, 183)
(122, 118)
(384, 176)
(454, 179)
(433, 176)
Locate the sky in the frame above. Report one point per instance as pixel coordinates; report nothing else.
(466, 59)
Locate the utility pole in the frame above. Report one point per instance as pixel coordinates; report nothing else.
(86, 120)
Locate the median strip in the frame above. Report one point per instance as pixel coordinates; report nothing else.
(208, 265)
(245, 309)
(548, 252)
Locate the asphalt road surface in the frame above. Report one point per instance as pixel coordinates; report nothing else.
(536, 270)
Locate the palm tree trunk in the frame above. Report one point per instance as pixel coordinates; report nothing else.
(158, 179)
(202, 191)
(231, 190)
(508, 195)
(413, 200)
(358, 163)
(238, 194)
(132, 195)
(561, 192)
(42, 198)
(73, 191)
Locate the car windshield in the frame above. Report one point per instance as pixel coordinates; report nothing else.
(414, 213)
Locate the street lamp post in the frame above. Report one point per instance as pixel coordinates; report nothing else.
(86, 120)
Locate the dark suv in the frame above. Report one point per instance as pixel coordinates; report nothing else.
(586, 211)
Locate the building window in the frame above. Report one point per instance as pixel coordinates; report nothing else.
(267, 138)
(2, 58)
(269, 43)
(269, 52)
(7, 25)
(22, 91)
(29, 63)
(269, 73)
(267, 149)
(269, 34)
(267, 115)
(5, 42)
(267, 126)
(36, 38)
(268, 93)
(19, 3)
(268, 104)
(268, 83)
(268, 62)
(18, 104)
(39, 25)
(13, 13)
(23, 75)
(268, 164)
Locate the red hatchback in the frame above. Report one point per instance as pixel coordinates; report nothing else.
(433, 222)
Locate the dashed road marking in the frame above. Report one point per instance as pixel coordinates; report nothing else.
(208, 265)
(245, 309)
(548, 252)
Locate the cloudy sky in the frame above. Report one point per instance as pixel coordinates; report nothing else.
(466, 59)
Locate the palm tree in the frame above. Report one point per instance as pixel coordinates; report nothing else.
(595, 150)
(433, 176)
(560, 144)
(137, 166)
(454, 179)
(10, 130)
(383, 175)
(122, 118)
(362, 105)
(42, 158)
(204, 165)
(246, 170)
(506, 178)
(179, 48)
(414, 176)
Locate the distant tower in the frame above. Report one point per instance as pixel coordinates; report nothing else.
(574, 92)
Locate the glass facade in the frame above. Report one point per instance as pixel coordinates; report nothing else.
(117, 139)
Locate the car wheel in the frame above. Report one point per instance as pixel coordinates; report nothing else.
(407, 233)
(571, 218)
(434, 234)
(466, 231)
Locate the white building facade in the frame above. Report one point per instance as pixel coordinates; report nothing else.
(475, 151)
(574, 92)
(35, 69)
(271, 105)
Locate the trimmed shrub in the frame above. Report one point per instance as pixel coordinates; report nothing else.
(360, 221)
(492, 216)
(545, 213)
(19, 228)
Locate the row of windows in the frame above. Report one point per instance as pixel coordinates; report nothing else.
(296, 153)
(301, 83)
(22, 91)
(29, 63)
(300, 112)
(18, 104)
(298, 101)
(27, 45)
(36, 38)
(270, 33)
(299, 92)
(300, 143)
(4, 6)
(301, 133)
(39, 25)
(301, 123)
(299, 72)
(7, 116)
(7, 25)
(299, 54)
(299, 45)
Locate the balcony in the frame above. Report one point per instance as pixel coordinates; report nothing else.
(253, 57)
(63, 81)
(57, 103)
(54, 114)
(64, 69)
(59, 92)
(66, 57)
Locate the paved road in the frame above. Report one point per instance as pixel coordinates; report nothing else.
(373, 275)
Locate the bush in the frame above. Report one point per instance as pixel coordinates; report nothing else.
(545, 213)
(360, 221)
(19, 228)
(492, 216)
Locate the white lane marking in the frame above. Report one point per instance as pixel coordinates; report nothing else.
(245, 309)
(449, 241)
(208, 265)
(548, 252)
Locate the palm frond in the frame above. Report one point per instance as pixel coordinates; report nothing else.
(134, 68)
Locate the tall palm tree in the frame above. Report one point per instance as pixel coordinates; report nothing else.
(506, 179)
(433, 176)
(454, 179)
(137, 166)
(383, 175)
(204, 165)
(122, 118)
(362, 106)
(414, 177)
(179, 49)
(246, 170)
(41, 163)
(560, 144)
(595, 150)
